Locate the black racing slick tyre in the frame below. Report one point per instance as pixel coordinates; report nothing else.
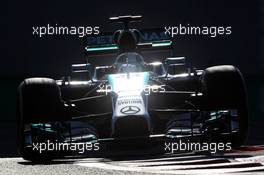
(224, 88)
(39, 100)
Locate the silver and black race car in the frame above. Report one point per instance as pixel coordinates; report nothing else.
(131, 99)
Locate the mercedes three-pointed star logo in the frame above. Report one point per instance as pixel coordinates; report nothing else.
(130, 110)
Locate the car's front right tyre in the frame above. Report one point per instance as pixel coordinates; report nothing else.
(39, 100)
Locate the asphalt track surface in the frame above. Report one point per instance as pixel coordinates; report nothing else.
(247, 160)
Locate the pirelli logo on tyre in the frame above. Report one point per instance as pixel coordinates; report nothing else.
(129, 101)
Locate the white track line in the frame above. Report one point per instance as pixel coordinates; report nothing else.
(185, 162)
(218, 165)
(182, 165)
(170, 171)
(254, 159)
(175, 158)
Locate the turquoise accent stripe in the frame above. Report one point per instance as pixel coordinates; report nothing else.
(114, 46)
(110, 79)
(41, 127)
(101, 48)
(158, 44)
(146, 78)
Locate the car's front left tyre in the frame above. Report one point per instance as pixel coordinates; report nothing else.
(224, 88)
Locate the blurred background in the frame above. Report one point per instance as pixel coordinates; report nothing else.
(51, 56)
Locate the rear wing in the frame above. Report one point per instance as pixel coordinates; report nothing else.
(151, 40)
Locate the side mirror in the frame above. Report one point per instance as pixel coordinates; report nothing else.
(175, 65)
(157, 68)
(81, 72)
(81, 67)
(175, 61)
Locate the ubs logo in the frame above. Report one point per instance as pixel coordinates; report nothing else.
(130, 110)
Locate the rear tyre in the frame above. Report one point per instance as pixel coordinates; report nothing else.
(39, 100)
(224, 88)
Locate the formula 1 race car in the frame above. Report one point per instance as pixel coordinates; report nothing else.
(131, 99)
